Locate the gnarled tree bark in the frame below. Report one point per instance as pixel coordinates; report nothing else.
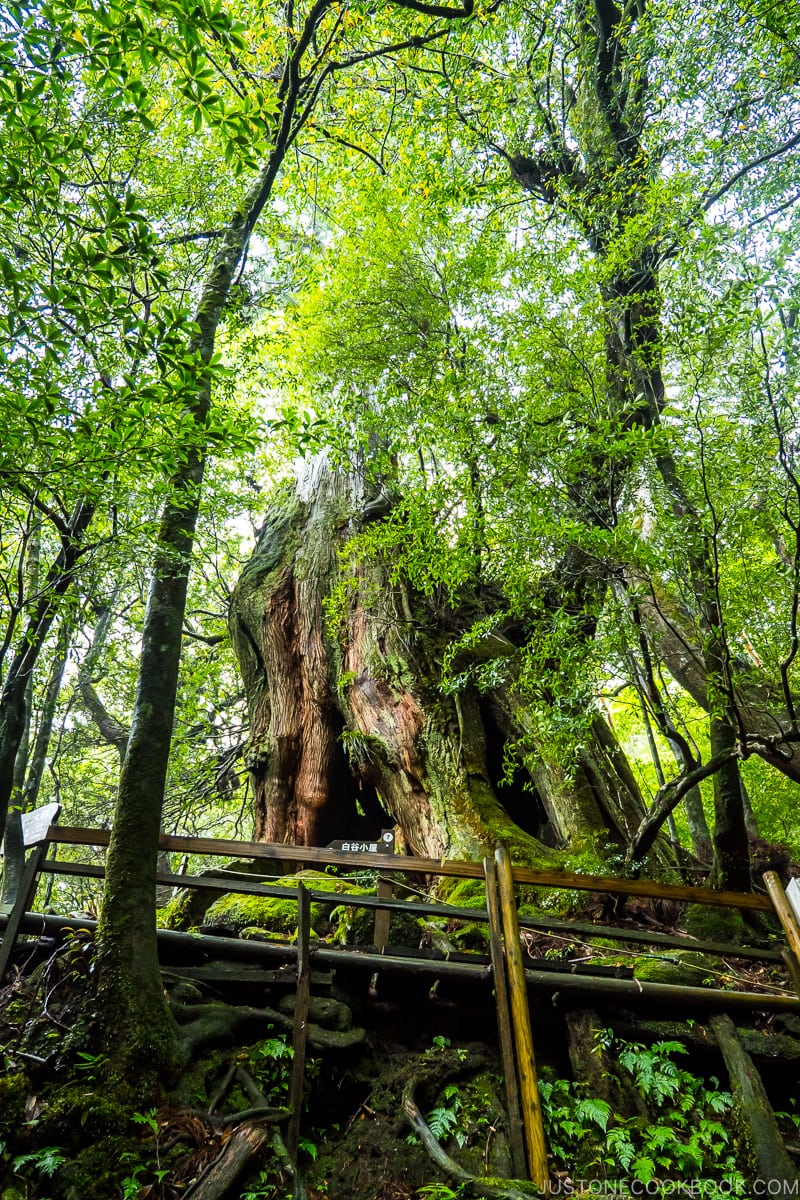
(349, 728)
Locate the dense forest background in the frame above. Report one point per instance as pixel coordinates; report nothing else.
(523, 280)
(400, 427)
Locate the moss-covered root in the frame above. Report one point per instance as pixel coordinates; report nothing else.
(493, 1189)
(203, 1025)
(765, 1153)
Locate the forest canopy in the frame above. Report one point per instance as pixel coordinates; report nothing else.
(513, 288)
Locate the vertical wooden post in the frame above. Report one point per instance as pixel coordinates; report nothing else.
(300, 1031)
(384, 891)
(791, 926)
(523, 1038)
(516, 1138)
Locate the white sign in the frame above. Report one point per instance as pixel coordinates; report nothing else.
(36, 824)
(793, 896)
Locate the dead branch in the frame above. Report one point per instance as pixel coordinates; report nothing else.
(246, 1144)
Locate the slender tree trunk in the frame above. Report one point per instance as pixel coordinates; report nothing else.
(13, 844)
(13, 708)
(110, 728)
(44, 728)
(135, 1026)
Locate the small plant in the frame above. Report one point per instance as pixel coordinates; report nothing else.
(43, 1162)
(444, 1120)
(90, 1064)
(144, 1174)
(149, 1119)
(686, 1139)
(439, 1191)
(269, 1063)
(362, 747)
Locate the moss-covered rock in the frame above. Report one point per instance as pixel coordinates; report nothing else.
(322, 1010)
(466, 893)
(713, 924)
(91, 1110)
(187, 907)
(684, 967)
(337, 922)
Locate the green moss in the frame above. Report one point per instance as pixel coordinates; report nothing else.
(14, 1090)
(466, 893)
(98, 1171)
(471, 937)
(712, 924)
(682, 967)
(178, 913)
(87, 1112)
(338, 922)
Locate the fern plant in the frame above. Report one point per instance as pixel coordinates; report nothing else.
(687, 1139)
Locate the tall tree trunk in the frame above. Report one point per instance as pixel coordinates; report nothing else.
(134, 1021)
(605, 188)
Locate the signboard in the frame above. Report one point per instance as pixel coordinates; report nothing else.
(35, 824)
(381, 845)
(793, 896)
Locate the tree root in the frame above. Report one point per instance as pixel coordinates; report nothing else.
(203, 1025)
(285, 1159)
(493, 1189)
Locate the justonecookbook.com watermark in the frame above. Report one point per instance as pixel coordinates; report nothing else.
(712, 1189)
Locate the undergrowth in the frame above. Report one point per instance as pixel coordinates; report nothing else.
(686, 1136)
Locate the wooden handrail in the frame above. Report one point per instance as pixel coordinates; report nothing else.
(453, 868)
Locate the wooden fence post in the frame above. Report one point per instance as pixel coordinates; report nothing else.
(300, 1032)
(516, 1138)
(791, 926)
(523, 1038)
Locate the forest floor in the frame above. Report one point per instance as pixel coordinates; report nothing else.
(404, 1090)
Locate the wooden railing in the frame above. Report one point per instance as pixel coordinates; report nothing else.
(511, 976)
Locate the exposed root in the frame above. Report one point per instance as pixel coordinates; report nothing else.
(494, 1189)
(285, 1159)
(204, 1025)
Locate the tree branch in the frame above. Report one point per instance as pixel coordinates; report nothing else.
(789, 144)
(669, 797)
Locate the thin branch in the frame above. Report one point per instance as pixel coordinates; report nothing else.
(669, 797)
(436, 10)
(334, 137)
(33, 499)
(202, 235)
(789, 144)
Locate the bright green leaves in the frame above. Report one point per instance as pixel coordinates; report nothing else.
(683, 1136)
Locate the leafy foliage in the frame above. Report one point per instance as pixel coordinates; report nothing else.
(685, 1137)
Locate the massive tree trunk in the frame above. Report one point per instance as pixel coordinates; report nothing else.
(350, 730)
